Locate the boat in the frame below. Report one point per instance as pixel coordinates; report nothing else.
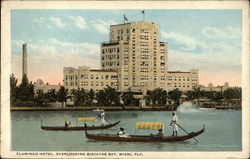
(207, 108)
(79, 128)
(143, 138)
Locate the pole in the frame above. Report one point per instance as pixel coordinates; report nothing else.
(186, 131)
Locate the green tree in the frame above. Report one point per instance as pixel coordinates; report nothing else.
(108, 97)
(112, 96)
(25, 91)
(158, 96)
(62, 95)
(13, 89)
(79, 97)
(232, 93)
(175, 96)
(101, 98)
(128, 98)
(42, 98)
(90, 97)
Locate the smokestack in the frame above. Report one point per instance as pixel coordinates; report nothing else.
(24, 59)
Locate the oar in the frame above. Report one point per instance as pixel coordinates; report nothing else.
(186, 131)
(110, 123)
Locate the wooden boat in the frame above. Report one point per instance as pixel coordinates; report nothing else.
(142, 138)
(78, 128)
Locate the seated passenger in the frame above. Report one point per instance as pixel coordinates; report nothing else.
(158, 135)
(66, 124)
(122, 133)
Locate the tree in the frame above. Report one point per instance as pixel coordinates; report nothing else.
(101, 98)
(108, 97)
(175, 95)
(112, 96)
(25, 91)
(79, 97)
(90, 97)
(232, 93)
(13, 89)
(128, 98)
(158, 96)
(62, 95)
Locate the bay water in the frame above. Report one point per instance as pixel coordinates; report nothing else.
(223, 130)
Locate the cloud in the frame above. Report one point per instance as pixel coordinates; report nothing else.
(103, 26)
(47, 58)
(225, 33)
(188, 42)
(58, 22)
(41, 22)
(79, 22)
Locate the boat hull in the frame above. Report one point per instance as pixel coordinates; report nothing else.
(142, 138)
(78, 128)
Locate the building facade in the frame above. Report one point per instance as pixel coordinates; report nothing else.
(135, 52)
(39, 85)
(86, 78)
(133, 58)
(184, 81)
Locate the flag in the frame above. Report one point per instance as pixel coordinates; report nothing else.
(143, 12)
(125, 18)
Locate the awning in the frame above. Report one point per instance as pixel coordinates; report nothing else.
(149, 125)
(86, 119)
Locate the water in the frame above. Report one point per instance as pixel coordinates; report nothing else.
(222, 132)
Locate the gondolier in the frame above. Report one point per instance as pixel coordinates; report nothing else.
(102, 116)
(174, 126)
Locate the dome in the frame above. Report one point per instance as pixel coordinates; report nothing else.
(40, 82)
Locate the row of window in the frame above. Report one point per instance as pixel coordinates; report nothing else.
(179, 78)
(183, 85)
(84, 76)
(110, 57)
(110, 50)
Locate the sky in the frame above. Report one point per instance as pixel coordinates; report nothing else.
(208, 40)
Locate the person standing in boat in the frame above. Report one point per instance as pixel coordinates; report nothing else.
(102, 116)
(173, 123)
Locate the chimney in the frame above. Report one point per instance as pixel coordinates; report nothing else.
(25, 59)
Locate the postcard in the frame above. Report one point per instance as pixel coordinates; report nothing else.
(118, 79)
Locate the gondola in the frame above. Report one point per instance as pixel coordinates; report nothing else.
(142, 138)
(78, 128)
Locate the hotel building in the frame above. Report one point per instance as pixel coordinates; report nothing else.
(84, 77)
(133, 58)
(135, 52)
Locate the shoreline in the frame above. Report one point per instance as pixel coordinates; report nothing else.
(112, 108)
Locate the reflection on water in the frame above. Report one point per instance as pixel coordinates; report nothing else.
(222, 133)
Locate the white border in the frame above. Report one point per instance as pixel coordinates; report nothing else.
(6, 65)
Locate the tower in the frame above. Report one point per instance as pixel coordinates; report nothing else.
(24, 68)
(135, 52)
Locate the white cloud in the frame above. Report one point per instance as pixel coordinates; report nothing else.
(79, 22)
(58, 22)
(225, 33)
(40, 22)
(103, 26)
(188, 42)
(48, 58)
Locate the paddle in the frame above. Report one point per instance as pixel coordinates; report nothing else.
(185, 131)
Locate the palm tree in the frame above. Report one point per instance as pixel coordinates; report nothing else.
(175, 95)
(62, 95)
(79, 97)
(128, 98)
(90, 97)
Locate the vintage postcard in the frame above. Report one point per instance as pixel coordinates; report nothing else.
(125, 79)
